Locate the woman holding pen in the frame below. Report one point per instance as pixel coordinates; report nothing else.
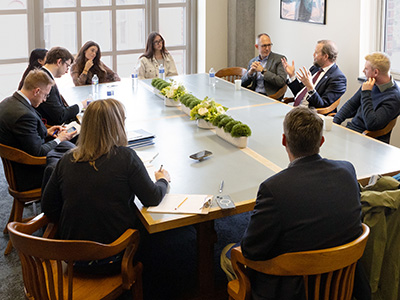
(91, 192)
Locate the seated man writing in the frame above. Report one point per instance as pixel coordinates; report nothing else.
(313, 204)
(377, 102)
(21, 127)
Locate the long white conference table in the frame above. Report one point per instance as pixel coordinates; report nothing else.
(177, 137)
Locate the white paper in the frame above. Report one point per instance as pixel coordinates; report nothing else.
(176, 204)
(147, 156)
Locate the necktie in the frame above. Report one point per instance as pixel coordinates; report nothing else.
(302, 93)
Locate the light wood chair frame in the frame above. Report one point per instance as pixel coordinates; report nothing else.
(377, 133)
(337, 263)
(231, 74)
(321, 110)
(47, 264)
(8, 155)
(279, 94)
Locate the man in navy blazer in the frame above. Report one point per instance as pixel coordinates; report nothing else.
(313, 204)
(265, 73)
(329, 85)
(55, 110)
(21, 127)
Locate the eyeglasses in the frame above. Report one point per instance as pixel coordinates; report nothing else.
(157, 42)
(45, 95)
(266, 45)
(68, 65)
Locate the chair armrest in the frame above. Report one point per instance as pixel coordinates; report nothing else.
(129, 271)
(243, 289)
(288, 100)
(381, 132)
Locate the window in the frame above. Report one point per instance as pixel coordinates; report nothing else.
(391, 36)
(120, 27)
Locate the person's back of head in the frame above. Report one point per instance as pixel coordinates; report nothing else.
(103, 127)
(380, 61)
(36, 78)
(57, 53)
(36, 56)
(302, 128)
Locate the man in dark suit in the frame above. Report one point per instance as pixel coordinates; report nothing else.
(21, 127)
(56, 110)
(313, 204)
(265, 73)
(323, 84)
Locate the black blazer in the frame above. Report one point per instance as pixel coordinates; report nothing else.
(314, 204)
(329, 89)
(53, 109)
(21, 127)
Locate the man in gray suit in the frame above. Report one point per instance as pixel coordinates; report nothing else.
(265, 73)
(21, 127)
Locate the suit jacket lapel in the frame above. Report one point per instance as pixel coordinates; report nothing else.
(326, 76)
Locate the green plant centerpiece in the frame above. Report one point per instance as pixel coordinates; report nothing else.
(174, 90)
(207, 110)
(159, 83)
(232, 131)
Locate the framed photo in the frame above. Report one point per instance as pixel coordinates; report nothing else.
(310, 11)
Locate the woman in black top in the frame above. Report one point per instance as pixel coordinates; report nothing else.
(36, 61)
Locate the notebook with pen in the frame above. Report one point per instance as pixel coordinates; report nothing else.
(183, 204)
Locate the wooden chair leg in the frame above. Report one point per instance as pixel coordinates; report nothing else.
(17, 211)
(11, 218)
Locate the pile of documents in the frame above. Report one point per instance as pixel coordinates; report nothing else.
(140, 138)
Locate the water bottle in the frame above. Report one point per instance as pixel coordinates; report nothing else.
(161, 72)
(211, 77)
(134, 78)
(95, 85)
(110, 91)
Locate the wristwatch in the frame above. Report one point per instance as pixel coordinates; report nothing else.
(263, 71)
(311, 92)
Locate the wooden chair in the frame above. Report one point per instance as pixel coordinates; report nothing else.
(47, 264)
(8, 155)
(279, 94)
(322, 110)
(381, 132)
(337, 263)
(231, 74)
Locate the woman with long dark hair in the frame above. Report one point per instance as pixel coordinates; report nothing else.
(155, 55)
(36, 61)
(88, 63)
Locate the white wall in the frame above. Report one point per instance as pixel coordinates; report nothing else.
(350, 23)
(297, 40)
(212, 35)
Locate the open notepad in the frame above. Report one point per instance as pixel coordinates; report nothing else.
(182, 204)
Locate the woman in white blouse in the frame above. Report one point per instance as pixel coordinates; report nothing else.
(156, 54)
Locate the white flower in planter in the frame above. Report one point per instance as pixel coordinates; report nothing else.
(203, 111)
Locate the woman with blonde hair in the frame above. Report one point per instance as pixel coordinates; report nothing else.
(87, 63)
(155, 55)
(91, 192)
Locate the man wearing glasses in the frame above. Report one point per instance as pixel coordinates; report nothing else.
(21, 127)
(265, 73)
(323, 83)
(56, 110)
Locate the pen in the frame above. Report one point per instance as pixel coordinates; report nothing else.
(181, 203)
(56, 131)
(161, 170)
(221, 187)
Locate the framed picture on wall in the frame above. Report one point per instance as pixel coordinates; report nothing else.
(311, 11)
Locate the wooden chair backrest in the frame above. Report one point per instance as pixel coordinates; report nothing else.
(337, 263)
(279, 94)
(377, 133)
(330, 108)
(231, 74)
(42, 259)
(9, 154)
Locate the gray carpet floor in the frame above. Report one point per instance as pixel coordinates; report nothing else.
(169, 258)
